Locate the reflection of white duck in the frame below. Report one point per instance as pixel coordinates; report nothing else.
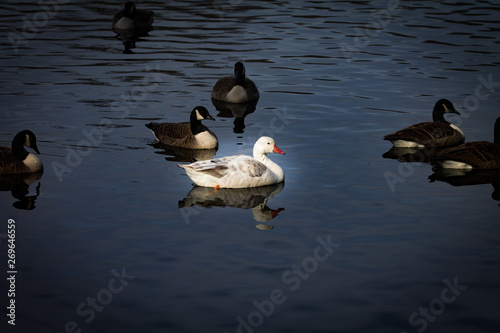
(239, 171)
(255, 198)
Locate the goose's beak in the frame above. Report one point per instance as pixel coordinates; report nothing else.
(453, 110)
(35, 148)
(209, 117)
(278, 151)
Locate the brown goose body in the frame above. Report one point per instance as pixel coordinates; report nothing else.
(237, 88)
(473, 155)
(428, 134)
(180, 135)
(17, 160)
(192, 134)
(439, 133)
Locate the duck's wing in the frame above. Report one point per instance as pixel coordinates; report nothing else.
(479, 154)
(9, 163)
(252, 91)
(144, 19)
(241, 165)
(118, 16)
(428, 134)
(222, 87)
(168, 131)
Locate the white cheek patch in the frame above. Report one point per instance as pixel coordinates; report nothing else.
(27, 141)
(198, 115)
(446, 109)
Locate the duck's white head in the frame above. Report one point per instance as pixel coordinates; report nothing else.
(266, 145)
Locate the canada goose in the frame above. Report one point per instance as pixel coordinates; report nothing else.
(17, 160)
(131, 18)
(192, 135)
(473, 155)
(237, 88)
(439, 133)
(239, 171)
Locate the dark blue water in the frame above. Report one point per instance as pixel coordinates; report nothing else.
(113, 237)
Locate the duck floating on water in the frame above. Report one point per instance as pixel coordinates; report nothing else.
(472, 155)
(192, 134)
(17, 160)
(237, 88)
(131, 18)
(239, 171)
(439, 133)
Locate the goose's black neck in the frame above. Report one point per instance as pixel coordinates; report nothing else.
(496, 137)
(240, 79)
(18, 146)
(129, 10)
(239, 74)
(196, 125)
(438, 114)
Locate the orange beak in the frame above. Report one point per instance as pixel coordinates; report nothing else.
(278, 151)
(275, 212)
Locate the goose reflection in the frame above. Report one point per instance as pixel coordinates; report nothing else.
(183, 154)
(423, 155)
(19, 185)
(254, 198)
(130, 37)
(238, 111)
(459, 177)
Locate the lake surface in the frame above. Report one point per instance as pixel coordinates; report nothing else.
(114, 238)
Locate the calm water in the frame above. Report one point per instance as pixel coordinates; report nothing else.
(114, 238)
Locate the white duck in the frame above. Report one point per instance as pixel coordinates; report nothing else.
(239, 171)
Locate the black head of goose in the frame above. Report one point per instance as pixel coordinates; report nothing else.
(438, 133)
(237, 88)
(130, 18)
(473, 155)
(17, 160)
(192, 134)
